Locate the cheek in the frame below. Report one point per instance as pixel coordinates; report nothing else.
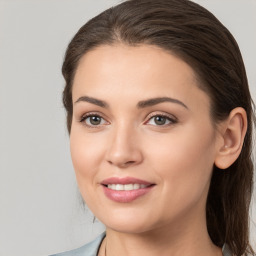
(184, 162)
(86, 153)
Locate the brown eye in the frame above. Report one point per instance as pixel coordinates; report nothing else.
(161, 120)
(93, 120)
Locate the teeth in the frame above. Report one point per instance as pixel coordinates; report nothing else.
(136, 186)
(126, 186)
(119, 187)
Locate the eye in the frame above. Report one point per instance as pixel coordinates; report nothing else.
(161, 120)
(93, 120)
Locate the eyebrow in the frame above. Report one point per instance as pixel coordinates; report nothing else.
(154, 101)
(140, 104)
(94, 101)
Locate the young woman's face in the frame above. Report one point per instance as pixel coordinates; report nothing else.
(142, 142)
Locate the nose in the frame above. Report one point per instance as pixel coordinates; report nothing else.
(124, 149)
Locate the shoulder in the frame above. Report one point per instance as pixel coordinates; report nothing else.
(90, 249)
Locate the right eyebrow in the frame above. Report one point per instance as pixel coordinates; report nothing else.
(94, 101)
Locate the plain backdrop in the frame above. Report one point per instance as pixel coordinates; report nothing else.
(40, 208)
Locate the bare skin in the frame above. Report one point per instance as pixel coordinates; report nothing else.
(172, 144)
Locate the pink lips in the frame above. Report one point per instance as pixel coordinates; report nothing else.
(125, 196)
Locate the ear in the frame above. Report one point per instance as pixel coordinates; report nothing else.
(232, 132)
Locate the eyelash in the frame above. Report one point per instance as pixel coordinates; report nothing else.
(84, 117)
(173, 120)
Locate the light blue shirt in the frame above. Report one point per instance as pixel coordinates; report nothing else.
(91, 249)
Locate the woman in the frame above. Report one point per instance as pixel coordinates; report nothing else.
(160, 120)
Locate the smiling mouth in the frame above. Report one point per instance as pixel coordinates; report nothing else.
(126, 187)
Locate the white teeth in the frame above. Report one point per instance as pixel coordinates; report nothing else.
(126, 186)
(119, 187)
(136, 186)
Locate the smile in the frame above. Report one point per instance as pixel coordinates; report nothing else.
(125, 190)
(126, 187)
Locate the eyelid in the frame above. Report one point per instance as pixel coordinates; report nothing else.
(172, 118)
(89, 114)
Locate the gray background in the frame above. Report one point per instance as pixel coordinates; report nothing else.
(40, 210)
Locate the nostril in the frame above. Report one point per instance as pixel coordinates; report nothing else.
(127, 163)
(124, 164)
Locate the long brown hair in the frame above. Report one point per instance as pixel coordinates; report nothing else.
(195, 35)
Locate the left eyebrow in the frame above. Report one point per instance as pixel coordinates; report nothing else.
(154, 101)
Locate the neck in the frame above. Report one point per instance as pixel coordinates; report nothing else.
(174, 240)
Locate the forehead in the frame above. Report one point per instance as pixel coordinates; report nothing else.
(108, 59)
(133, 71)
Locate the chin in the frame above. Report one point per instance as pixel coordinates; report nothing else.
(129, 228)
(128, 222)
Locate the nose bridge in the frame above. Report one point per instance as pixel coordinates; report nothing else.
(124, 148)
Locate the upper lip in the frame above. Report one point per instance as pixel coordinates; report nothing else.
(125, 180)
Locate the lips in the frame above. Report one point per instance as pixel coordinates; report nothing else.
(125, 190)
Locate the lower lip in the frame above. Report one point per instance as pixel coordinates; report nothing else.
(125, 196)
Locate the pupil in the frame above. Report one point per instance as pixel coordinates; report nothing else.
(95, 120)
(160, 120)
